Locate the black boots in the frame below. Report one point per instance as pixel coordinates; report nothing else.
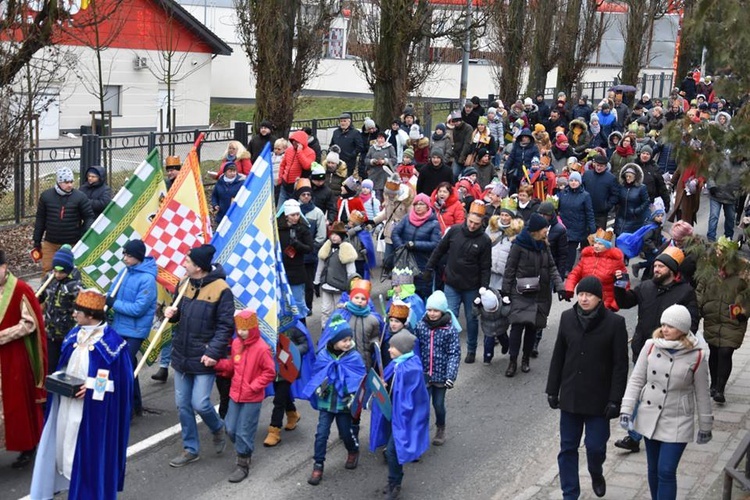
(525, 364)
(161, 375)
(470, 358)
(512, 367)
(24, 459)
(599, 485)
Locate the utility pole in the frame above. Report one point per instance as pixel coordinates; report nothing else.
(467, 54)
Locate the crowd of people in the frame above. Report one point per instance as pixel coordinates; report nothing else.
(496, 211)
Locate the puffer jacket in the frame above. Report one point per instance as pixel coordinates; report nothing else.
(335, 177)
(325, 199)
(497, 130)
(425, 237)
(714, 299)
(577, 213)
(242, 162)
(351, 144)
(449, 212)
(135, 301)
(62, 219)
(558, 245)
(603, 188)
(520, 156)
(442, 146)
(579, 141)
(317, 222)
(493, 322)
(99, 193)
(296, 163)
(603, 265)
(250, 366)
(725, 183)
(300, 239)
(224, 192)
(439, 350)
(205, 318)
(500, 249)
(431, 176)
(60, 297)
(632, 205)
(669, 388)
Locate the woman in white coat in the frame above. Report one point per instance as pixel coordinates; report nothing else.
(668, 386)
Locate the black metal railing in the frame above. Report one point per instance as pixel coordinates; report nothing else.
(732, 472)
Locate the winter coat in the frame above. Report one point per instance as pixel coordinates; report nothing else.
(348, 205)
(335, 266)
(655, 185)
(99, 193)
(725, 183)
(62, 219)
(485, 174)
(589, 366)
(497, 130)
(714, 299)
(431, 176)
(365, 333)
(296, 164)
(442, 146)
(557, 237)
(205, 320)
(450, 212)
(325, 198)
(652, 300)
(576, 212)
(242, 162)
(581, 111)
(350, 142)
(579, 142)
(224, 192)
(520, 156)
(500, 249)
(318, 229)
(604, 190)
(439, 350)
(335, 177)
(425, 237)
(60, 297)
(300, 239)
(617, 161)
(669, 388)
(686, 206)
(493, 322)
(378, 173)
(484, 140)
(469, 258)
(602, 265)
(462, 142)
(528, 259)
(257, 143)
(632, 205)
(135, 301)
(394, 210)
(665, 160)
(251, 367)
(525, 212)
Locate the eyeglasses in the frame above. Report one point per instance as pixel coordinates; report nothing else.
(305, 194)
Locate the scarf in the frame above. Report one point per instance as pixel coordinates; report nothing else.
(662, 343)
(228, 181)
(443, 320)
(417, 220)
(595, 129)
(403, 357)
(625, 151)
(59, 191)
(356, 310)
(585, 317)
(523, 205)
(437, 137)
(231, 158)
(365, 197)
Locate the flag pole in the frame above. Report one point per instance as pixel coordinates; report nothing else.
(44, 285)
(117, 286)
(157, 335)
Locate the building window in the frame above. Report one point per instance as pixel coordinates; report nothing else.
(112, 99)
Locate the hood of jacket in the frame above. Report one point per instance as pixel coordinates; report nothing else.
(578, 123)
(613, 134)
(449, 201)
(245, 155)
(239, 178)
(525, 133)
(300, 136)
(147, 266)
(638, 173)
(100, 172)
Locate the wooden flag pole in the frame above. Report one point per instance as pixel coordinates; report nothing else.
(44, 285)
(117, 286)
(157, 336)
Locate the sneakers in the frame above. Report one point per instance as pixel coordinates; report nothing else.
(439, 438)
(161, 375)
(487, 361)
(317, 475)
(352, 459)
(183, 459)
(628, 443)
(220, 440)
(470, 358)
(599, 485)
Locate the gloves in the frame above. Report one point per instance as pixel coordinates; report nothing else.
(411, 245)
(704, 437)
(625, 421)
(506, 300)
(426, 275)
(110, 301)
(712, 190)
(563, 295)
(612, 410)
(449, 384)
(742, 317)
(477, 300)
(553, 401)
(316, 288)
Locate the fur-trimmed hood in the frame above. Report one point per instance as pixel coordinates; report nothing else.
(347, 253)
(613, 134)
(638, 173)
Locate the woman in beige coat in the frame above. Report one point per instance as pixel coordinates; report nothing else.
(668, 382)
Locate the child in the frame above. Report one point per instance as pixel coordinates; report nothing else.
(652, 242)
(371, 203)
(493, 310)
(284, 391)
(251, 368)
(348, 201)
(337, 375)
(440, 352)
(407, 435)
(404, 290)
(335, 270)
(58, 299)
(362, 242)
(398, 316)
(406, 169)
(279, 148)
(542, 179)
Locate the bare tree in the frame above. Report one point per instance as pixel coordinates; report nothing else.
(580, 37)
(637, 34)
(545, 45)
(508, 25)
(283, 42)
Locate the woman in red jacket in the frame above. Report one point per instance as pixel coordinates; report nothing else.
(296, 163)
(600, 259)
(239, 156)
(447, 206)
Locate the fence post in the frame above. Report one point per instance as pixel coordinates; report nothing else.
(18, 187)
(427, 112)
(241, 132)
(196, 133)
(91, 154)
(314, 127)
(151, 142)
(661, 85)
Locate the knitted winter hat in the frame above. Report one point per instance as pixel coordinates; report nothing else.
(64, 174)
(135, 248)
(647, 149)
(409, 153)
(528, 101)
(681, 230)
(421, 197)
(64, 260)
(489, 299)
(369, 123)
(333, 157)
(340, 329)
(546, 208)
(600, 159)
(575, 176)
(441, 127)
(291, 207)
(414, 132)
(482, 120)
(671, 257)
(245, 320)
(539, 128)
(590, 284)
(403, 341)
(491, 111)
(536, 223)
(317, 171)
(656, 213)
(678, 317)
(437, 301)
(368, 184)
(202, 256)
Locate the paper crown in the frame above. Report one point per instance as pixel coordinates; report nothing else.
(338, 227)
(91, 298)
(601, 234)
(245, 319)
(302, 182)
(361, 284)
(403, 276)
(357, 217)
(477, 207)
(554, 200)
(399, 310)
(392, 184)
(173, 161)
(509, 204)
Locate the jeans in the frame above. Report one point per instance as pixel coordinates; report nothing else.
(192, 394)
(455, 298)
(134, 345)
(283, 401)
(437, 395)
(395, 469)
(298, 292)
(457, 169)
(528, 332)
(663, 459)
(242, 424)
(344, 425)
(165, 356)
(713, 219)
(571, 429)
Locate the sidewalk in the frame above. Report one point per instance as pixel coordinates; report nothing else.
(700, 473)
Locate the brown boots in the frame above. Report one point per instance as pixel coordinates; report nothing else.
(274, 437)
(439, 438)
(292, 419)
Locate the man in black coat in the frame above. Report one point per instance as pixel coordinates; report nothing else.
(604, 189)
(63, 214)
(469, 251)
(259, 140)
(652, 297)
(587, 378)
(349, 140)
(96, 189)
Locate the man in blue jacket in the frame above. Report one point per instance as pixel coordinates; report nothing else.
(524, 149)
(132, 299)
(603, 187)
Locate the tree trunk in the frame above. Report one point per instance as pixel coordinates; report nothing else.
(544, 45)
(510, 80)
(568, 38)
(390, 88)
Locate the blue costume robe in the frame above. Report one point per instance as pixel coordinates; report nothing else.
(308, 360)
(410, 420)
(99, 463)
(344, 373)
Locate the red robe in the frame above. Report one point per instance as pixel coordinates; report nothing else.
(23, 368)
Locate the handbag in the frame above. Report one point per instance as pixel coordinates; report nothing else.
(527, 285)
(469, 161)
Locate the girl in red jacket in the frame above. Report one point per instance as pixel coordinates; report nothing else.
(251, 368)
(296, 163)
(447, 206)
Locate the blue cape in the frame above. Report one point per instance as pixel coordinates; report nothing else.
(308, 359)
(344, 373)
(99, 461)
(366, 238)
(631, 243)
(410, 422)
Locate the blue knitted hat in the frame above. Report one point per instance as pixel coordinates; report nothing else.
(340, 329)
(63, 259)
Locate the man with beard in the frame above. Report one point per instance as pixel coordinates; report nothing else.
(652, 298)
